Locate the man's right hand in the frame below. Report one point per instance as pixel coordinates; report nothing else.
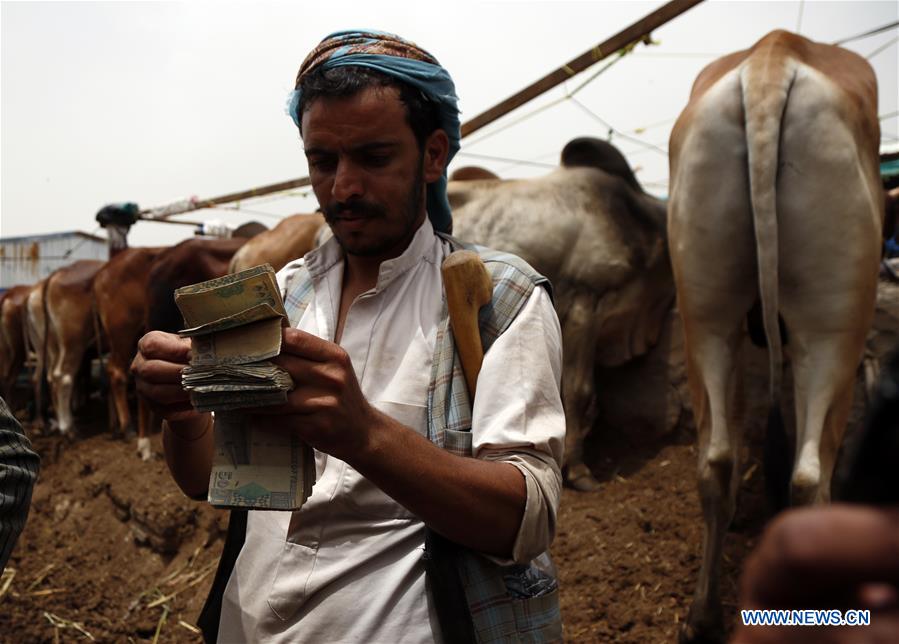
(157, 372)
(186, 437)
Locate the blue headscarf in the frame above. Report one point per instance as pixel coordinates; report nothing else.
(408, 63)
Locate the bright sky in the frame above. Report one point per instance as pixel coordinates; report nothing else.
(154, 102)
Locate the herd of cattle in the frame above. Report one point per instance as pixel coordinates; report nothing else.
(776, 202)
(105, 307)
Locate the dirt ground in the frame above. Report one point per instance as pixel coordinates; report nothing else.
(113, 552)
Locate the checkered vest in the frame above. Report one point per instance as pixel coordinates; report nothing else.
(518, 603)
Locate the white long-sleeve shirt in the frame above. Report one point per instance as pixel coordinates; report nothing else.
(347, 567)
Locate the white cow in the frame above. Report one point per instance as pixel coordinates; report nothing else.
(592, 230)
(775, 196)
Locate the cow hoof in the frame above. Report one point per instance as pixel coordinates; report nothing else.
(143, 449)
(688, 635)
(697, 630)
(581, 479)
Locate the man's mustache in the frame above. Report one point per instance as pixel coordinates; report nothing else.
(353, 209)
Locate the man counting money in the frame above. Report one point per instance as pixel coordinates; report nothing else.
(431, 512)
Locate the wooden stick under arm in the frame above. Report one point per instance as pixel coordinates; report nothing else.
(468, 287)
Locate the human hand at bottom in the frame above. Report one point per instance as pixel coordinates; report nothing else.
(833, 557)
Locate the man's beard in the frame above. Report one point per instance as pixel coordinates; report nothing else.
(371, 210)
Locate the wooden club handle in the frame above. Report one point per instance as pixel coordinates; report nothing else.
(468, 287)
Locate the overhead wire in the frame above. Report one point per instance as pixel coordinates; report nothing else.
(514, 162)
(249, 211)
(882, 47)
(643, 128)
(675, 54)
(533, 159)
(872, 32)
(521, 119)
(619, 133)
(72, 249)
(656, 147)
(567, 96)
(278, 196)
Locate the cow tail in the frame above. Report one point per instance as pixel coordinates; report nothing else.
(41, 351)
(26, 341)
(766, 80)
(98, 338)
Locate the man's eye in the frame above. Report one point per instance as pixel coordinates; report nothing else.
(320, 164)
(377, 160)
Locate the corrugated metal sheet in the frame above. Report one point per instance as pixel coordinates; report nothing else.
(29, 259)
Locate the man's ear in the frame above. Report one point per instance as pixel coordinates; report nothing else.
(436, 150)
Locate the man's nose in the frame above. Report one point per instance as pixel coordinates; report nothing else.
(347, 182)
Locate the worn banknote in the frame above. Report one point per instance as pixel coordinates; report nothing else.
(258, 467)
(220, 298)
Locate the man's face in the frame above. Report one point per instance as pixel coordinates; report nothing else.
(367, 170)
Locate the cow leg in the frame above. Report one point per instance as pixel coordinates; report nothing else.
(824, 373)
(118, 392)
(143, 422)
(713, 305)
(37, 384)
(64, 377)
(65, 370)
(830, 219)
(579, 342)
(713, 373)
(52, 359)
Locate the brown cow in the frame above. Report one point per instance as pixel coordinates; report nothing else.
(293, 237)
(70, 331)
(775, 196)
(120, 298)
(12, 349)
(191, 261)
(134, 294)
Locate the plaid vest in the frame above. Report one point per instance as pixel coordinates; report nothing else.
(518, 603)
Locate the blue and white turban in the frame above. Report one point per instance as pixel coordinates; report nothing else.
(408, 63)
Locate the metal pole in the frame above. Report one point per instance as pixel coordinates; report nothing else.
(172, 221)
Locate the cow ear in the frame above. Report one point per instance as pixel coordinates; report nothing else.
(436, 149)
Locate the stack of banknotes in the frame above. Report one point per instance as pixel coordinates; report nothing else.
(234, 323)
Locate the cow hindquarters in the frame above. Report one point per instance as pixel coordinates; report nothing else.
(829, 210)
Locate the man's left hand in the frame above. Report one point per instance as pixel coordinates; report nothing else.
(326, 408)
